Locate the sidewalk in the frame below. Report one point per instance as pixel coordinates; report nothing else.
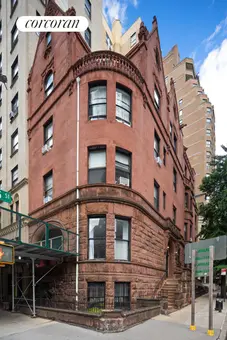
(182, 318)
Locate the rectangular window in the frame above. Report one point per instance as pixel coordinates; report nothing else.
(174, 214)
(14, 70)
(180, 113)
(97, 165)
(171, 129)
(0, 127)
(122, 239)
(156, 98)
(180, 101)
(188, 76)
(0, 30)
(186, 200)
(14, 36)
(208, 132)
(156, 145)
(123, 167)
(97, 237)
(123, 105)
(14, 176)
(97, 101)
(185, 231)
(0, 158)
(17, 210)
(181, 121)
(88, 8)
(133, 39)
(208, 120)
(208, 154)
(87, 35)
(164, 156)
(48, 133)
(96, 295)
(14, 104)
(13, 6)
(122, 295)
(208, 143)
(174, 180)
(14, 142)
(11, 213)
(208, 166)
(175, 143)
(166, 80)
(191, 203)
(209, 110)
(0, 62)
(109, 43)
(189, 66)
(48, 187)
(156, 195)
(164, 200)
(190, 232)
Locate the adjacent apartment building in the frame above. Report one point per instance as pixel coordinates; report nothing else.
(17, 51)
(196, 115)
(107, 161)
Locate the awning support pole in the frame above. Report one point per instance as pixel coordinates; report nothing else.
(13, 289)
(33, 287)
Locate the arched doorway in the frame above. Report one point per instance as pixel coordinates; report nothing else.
(169, 259)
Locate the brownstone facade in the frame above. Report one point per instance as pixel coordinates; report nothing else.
(156, 225)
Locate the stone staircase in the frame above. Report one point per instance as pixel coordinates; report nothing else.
(172, 289)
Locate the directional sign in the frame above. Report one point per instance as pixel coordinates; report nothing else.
(6, 254)
(5, 196)
(202, 262)
(219, 243)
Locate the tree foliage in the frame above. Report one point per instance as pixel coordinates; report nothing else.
(214, 212)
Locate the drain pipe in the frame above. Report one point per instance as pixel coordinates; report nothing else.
(77, 185)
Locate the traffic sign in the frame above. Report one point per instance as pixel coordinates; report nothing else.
(223, 272)
(6, 254)
(5, 196)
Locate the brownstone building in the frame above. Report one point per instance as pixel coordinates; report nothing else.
(106, 159)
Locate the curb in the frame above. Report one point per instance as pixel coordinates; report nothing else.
(223, 330)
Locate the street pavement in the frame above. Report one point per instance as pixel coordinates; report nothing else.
(174, 327)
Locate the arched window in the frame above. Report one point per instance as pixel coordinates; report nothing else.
(49, 84)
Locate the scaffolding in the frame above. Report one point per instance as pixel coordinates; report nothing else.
(55, 249)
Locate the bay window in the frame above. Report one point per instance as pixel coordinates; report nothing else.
(97, 102)
(123, 105)
(97, 165)
(97, 237)
(122, 239)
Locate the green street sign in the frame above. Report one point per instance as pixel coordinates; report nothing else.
(5, 196)
(202, 262)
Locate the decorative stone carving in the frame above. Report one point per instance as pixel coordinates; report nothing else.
(52, 9)
(47, 51)
(143, 32)
(71, 12)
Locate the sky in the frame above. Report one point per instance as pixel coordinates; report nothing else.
(199, 28)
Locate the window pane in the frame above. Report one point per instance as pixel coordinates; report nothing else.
(122, 229)
(98, 95)
(49, 80)
(121, 250)
(123, 99)
(96, 295)
(122, 295)
(97, 176)
(97, 159)
(122, 158)
(97, 238)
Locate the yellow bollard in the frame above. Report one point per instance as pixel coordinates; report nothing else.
(210, 332)
(192, 327)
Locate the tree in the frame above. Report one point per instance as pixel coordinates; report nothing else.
(214, 212)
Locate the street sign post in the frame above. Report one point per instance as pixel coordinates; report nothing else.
(6, 254)
(193, 326)
(5, 196)
(211, 265)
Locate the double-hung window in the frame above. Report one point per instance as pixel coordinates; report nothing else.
(97, 237)
(48, 133)
(156, 145)
(97, 101)
(156, 195)
(48, 187)
(122, 295)
(122, 239)
(174, 180)
(97, 165)
(123, 167)
(156, 98)
(14, 142)
(123, 105)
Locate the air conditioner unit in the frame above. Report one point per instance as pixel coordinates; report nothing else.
(12, 115)
(47, 199)
(158, 160)
(123, 181)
